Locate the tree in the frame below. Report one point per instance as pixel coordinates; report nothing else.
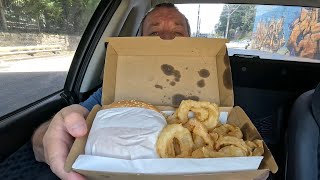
(230, 11)
(238, 18)
(3, 21)
(52, 16)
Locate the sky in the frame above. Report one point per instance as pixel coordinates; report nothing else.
(209, 15)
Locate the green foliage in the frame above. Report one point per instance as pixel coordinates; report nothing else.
(51, 16)
(241, 21)
(232, 34)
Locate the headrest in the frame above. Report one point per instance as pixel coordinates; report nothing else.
(315, 104)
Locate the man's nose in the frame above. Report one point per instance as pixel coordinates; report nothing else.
(167, 35)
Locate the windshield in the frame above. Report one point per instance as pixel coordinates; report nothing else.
(267, 31)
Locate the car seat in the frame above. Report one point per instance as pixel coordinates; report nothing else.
(303, 137)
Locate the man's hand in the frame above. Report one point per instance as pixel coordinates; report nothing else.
(52, 140)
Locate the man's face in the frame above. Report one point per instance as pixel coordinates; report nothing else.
(167, 23)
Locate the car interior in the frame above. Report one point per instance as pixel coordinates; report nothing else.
(265, 88)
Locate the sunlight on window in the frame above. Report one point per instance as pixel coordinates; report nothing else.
(267, 31)
(41, 37)
(37, 45)
(202, 18)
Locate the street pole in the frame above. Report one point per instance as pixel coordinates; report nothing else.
(198, 22)
(227, 28)
(228, 19)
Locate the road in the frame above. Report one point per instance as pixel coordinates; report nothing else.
(25, 81)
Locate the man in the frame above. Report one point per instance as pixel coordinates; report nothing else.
(52, 140)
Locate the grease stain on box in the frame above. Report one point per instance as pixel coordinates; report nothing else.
(177, 98)
(158, 86)
(201, 83)
(170, 71)
(204, 73)
(227, 79)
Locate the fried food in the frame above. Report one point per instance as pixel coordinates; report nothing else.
(206, 145)
(228, 130)
(210, 153)
(214, 136)
(198, 141)
(200, 130)
(198, 153)
(173, 119)
(227, 151)
(176, 146)
(165, 146)
(200, 113)
(255, 147)
(205, 112)
(170, 150)
(232, 151)
(230, 140)
(203, 136)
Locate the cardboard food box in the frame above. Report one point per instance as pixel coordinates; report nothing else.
(164, 72)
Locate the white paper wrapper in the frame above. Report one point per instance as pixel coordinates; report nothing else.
(169, 166)
(125, 133)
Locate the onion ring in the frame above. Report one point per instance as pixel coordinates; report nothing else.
(214, 136)
(206, 112)
(165, 147)
(198, 141)
(201, 114)
(230, 140)
(227, 151)
(228, 130)
(255, 147)
(210, 153)
(200, 130)
(198, 153)
(176, 146)
(232, 151)
(173, 119)
(170, 152)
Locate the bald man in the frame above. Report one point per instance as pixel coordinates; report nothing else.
(53, 139)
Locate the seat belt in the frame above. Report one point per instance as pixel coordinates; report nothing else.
(315, 104)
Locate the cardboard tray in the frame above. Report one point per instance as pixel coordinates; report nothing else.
(164, 72)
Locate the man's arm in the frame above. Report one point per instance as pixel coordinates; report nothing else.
(37, 144)
(93, 100)
(53, 139)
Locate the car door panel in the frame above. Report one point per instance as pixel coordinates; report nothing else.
(17, 127)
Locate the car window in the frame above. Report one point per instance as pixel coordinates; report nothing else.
(37, 42)
(271, 32)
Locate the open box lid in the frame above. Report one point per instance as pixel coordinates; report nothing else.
(164, 72)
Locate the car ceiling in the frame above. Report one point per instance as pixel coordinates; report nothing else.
(308, 3)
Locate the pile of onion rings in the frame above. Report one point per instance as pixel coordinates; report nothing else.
(203, 136)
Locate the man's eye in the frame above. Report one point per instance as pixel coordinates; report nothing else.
(154, 34)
